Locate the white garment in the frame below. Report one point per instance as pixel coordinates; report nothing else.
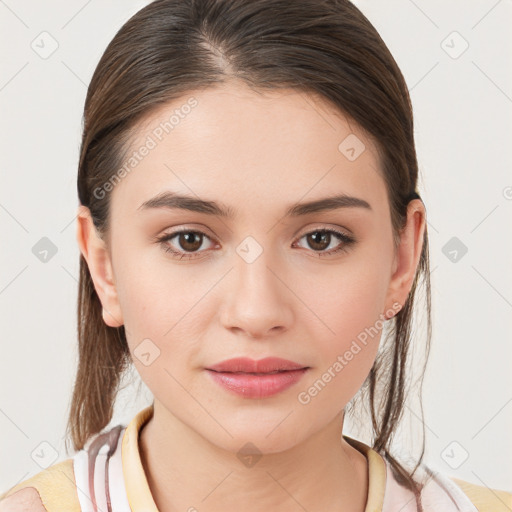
(439, 493)
(97, 493)
(112, 488)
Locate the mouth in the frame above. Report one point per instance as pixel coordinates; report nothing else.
(259, 373)
(257, 385)
(266, 366)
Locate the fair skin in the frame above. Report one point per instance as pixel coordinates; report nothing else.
(259, 155)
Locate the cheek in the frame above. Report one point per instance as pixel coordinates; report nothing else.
(163, 313)
(154, 293)
(348, 336)
(346, 355)
(349, 302)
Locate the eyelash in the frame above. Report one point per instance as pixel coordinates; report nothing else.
(347, 242)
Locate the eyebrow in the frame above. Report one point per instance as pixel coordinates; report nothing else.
(171, 200)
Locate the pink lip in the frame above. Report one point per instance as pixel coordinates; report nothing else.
(257, 386)
(253, 379)
(246, 365)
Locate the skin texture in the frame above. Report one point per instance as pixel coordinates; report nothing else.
(258, 154)
(22, 501)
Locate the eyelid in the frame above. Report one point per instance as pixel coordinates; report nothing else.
(323, 227)
(303, 231)
(174, 230)
(347, 240)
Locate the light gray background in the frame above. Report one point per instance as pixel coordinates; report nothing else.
(462, 105)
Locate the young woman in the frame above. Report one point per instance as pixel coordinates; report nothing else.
(249, 226)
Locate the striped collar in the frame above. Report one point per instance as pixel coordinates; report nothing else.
(140, 497)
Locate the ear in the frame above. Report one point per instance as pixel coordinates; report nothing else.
(95, 252)
(407, 255)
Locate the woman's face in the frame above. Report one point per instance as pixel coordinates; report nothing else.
(261, 281)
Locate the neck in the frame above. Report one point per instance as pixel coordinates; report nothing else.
(184, 470)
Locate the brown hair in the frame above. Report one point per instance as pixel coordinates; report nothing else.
(326, 48)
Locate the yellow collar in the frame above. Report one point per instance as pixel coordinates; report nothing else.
(139, 493)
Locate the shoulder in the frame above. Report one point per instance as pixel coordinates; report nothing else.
(22, 500)
(485, 499)
(48, 490)
(443, 492)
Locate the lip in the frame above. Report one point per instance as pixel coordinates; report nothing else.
(247, 365)
(250, 385)
(257, 379)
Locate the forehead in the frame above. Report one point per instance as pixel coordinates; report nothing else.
(249, 149)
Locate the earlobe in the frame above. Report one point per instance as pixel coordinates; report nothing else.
(408, 254)
(95, 252)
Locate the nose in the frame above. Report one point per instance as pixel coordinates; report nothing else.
(257, 299)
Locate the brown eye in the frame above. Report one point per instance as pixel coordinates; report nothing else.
(190, 240)
(321, 239)
(187, 244)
